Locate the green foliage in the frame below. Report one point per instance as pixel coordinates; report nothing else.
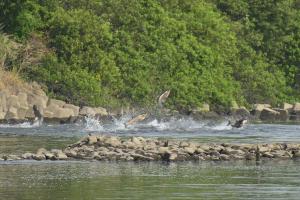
(128, 52)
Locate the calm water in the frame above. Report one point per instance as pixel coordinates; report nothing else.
(104, 180)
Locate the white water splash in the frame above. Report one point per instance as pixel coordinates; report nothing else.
(222, 126)
(93, 124)
(22, 125)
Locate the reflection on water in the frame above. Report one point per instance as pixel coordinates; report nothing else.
(104, 180)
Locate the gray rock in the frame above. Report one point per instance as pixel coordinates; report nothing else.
(268, 114)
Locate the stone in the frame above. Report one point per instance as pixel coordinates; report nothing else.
(27, 156)
(190, 150)
(287, 106)
(202, 109)
(22, 98)
(296, 107)
(13, 101)
(38, 100)
(21, 112)
(224, 157)
(41, 151)
(267, 155)
(12, 113)
(283, 114)
(113, 141)
(99, 111)
(55, 103)
(92, 139)
(173, 156)
(75, 109)
(61, 156)
(260, 107)
(38, 157)
(87, 111)
(49, 156)
(3, 105)
(268, 114)
(240, 112)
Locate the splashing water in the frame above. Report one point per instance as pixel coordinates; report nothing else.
(93, 124)
(22, 125)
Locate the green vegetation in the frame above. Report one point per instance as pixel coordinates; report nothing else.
(127, 52)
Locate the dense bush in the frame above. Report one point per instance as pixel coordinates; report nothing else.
(110, 53)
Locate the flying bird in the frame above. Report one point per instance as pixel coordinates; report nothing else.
(162, 98)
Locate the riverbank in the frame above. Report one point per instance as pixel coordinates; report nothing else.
(112, 148)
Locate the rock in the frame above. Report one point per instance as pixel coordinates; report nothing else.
(99, 111)
(287, 106)
(12, 113)
(224, 157)
(13, 101)
(234, 105)
(240, 112)
(190, 150)
(41, 151)
(173, 156)
(113, 141)
(22, 111)
(39, 100)
(50, 156)
(75, 109)
(268, 114)
(296, 107)
(27, 156)
(3, 105)
(87, 111)
(92, 139)
(283, 114)
(61, 156)
(260, 107)
(52, 103)
(267, 155)
(22, 98)
(38, 157)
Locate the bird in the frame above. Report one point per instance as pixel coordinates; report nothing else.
(163, 97)
(136, 119)
(37, 114)
(239, 123)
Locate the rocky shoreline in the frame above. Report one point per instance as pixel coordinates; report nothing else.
(112, 148)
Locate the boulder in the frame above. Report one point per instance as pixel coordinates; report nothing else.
(260, 107)
(92, 112)
(12, 113)
(22, 98)
(3, 105)
(39, 100)
(100, 111)
(283, 114)
(55, 103)
(72, 107)
(268, 114)
(287, 106)
(22, 111)
(13, 101)
(296, 107)
(87, 111)
(240, 112)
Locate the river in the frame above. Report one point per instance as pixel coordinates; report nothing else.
(146, 180)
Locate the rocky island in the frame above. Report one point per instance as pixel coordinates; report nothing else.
(112, 148)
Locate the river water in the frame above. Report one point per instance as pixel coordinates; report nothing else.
(121, 180)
